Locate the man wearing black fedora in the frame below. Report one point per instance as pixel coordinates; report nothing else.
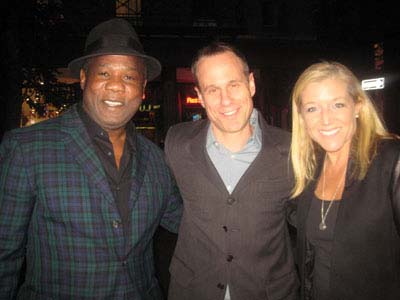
(81, 195)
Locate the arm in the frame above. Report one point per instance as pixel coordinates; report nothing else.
(16, 202)
(173, 213)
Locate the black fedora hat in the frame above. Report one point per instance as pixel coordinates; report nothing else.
(114, 37)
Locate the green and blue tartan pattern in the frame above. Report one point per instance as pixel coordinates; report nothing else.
(57, 210)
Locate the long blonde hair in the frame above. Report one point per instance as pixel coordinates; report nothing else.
(370, 127)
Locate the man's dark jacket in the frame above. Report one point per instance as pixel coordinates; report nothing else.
(240, 239)
(58, 211)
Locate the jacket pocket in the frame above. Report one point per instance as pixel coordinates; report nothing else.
(285, 287)
(180, 272)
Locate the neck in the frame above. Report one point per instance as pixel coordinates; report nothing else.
(235, 141)
(116, 135)
(337, 159)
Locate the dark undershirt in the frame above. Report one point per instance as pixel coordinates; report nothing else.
(119, 179)
(322, 244)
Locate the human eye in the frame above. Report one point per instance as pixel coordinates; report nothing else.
(211, 90)
(104, 74)
(339, 104)
(310, 109)
(131, 77)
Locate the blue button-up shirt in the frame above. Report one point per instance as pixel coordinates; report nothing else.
(232, 165)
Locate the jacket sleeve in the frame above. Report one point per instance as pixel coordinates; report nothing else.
(396, 195)
(16, 203)
(173, 213)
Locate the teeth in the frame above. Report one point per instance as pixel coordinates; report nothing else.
(112, 103)
(229, 113)
(329, 132)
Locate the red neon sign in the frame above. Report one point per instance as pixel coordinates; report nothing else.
(190, 100)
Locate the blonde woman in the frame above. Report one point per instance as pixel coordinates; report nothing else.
(347, 189)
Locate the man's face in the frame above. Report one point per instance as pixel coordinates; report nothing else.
(113, 88)
(226, 93)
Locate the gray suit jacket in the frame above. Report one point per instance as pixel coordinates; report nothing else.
(240, 239)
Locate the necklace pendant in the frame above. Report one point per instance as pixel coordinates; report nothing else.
(322, 226)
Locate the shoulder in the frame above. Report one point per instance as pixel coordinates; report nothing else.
(187, 129)
(388, 147)
(276, 137)
(152, 158)
(36, 132)
(41, 135)
(279, 134)
(146, 145)
(386, 157)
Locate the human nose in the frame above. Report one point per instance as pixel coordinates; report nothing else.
(115, 84)
(326, 115)
(226, 98)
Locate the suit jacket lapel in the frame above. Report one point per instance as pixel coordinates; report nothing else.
(202, 161)
(139, 167)
(79, 144)
(267, 159)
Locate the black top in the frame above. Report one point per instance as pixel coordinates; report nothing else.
(366, 246)
(119, 179)
(321, 240)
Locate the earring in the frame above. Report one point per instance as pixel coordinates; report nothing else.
(356, 116)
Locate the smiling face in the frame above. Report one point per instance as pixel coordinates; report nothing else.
(329, 114)
(226, 93)
(113, 88)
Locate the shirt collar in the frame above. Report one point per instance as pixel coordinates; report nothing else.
(95, 131)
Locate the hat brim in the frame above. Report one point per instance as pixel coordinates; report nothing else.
(153, 66)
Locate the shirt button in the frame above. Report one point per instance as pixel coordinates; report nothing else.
(225, 228)
(230, 200)
(220, 286)
(117, 188)
(229, 258)
(116, 223)
(124, 263)
(233, 156)
(109, 153)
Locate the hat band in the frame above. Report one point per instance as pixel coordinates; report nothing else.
(111, 42)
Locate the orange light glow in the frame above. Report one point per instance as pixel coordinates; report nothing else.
(190, 100)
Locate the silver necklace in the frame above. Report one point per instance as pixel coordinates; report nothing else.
(322, 225)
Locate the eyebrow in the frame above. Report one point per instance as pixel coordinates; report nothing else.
(129, 68)
(316, 101)
(229, 82)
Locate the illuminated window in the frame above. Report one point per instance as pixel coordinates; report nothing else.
(128, 8)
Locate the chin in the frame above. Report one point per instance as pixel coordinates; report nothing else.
(332, 148)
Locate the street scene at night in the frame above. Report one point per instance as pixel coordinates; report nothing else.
(199, 149)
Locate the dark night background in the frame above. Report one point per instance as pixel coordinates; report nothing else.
(280, 39)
